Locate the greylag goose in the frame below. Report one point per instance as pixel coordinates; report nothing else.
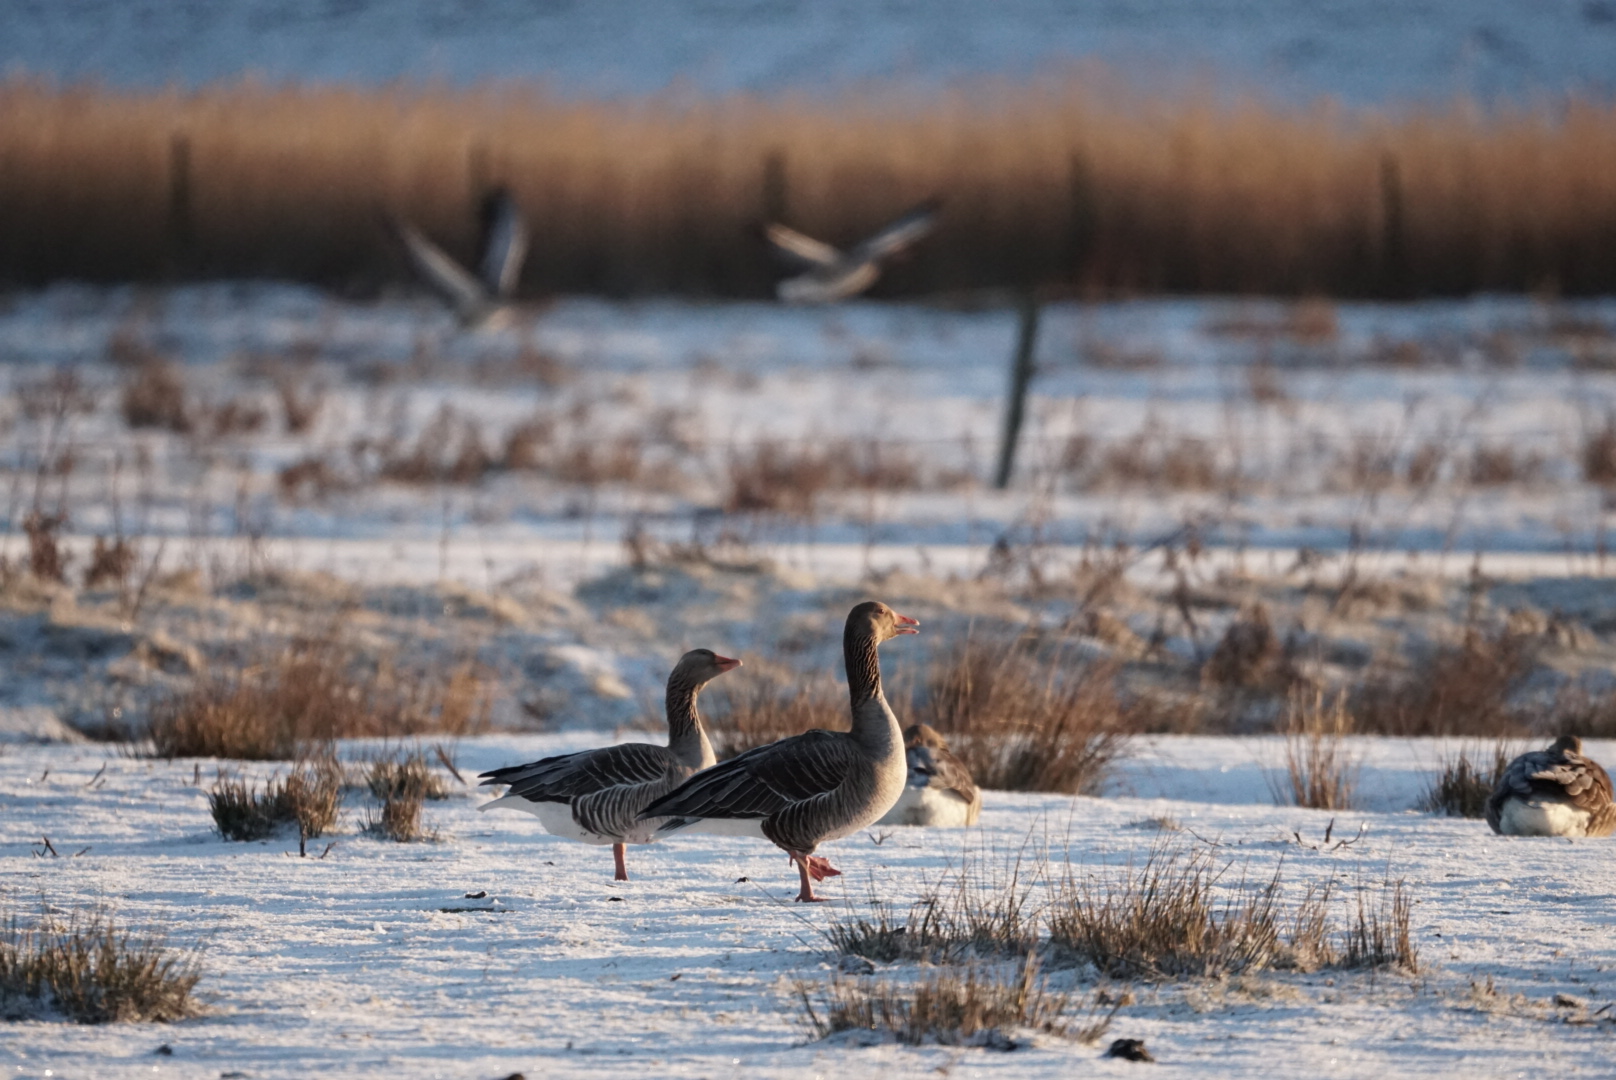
(832, 274)
(817, 786)
(1553, 792)
(479, 300)
(597, 796)
(939, 791)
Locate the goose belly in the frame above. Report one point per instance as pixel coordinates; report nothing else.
(556, 818)
(1519, 817)
(752, 827)
(929, 806)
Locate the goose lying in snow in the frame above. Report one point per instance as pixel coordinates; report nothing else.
(939, 791)
(597, 796)
(833, 274)
(817, 786)
(479, 300)
(1553, 792)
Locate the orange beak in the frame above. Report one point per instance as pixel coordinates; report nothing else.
(906, 625)
(726, 663)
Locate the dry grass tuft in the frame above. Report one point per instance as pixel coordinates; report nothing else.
(791, 477)
(308, 693)
(1461, 689)
(110, 563)
(1462, 787)
(404, 776)
(154, 395)
(1380, 934)
(966, 917)
(1024, 716)
(1250, 655)
(89, 971)
(1166, 919)
(1320, 772)
(46, 559)
(398, 818)
(309, 798)
(1599, 453)
(978, 1006)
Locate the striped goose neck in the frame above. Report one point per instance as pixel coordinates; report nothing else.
(687, 738)
(863, 665)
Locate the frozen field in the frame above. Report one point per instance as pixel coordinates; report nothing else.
(350, 966)
(1439, 428)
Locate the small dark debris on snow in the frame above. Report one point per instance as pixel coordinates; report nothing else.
(164, 1051)
(1129, 1050)
(741, 879)
(614, 899)
(232, 1076)
(1570, 1001)
(513, 1076)
(478, 895)
(675, 976)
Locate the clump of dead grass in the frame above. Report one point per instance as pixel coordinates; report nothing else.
(89, 970)
(790, 478)
(154, 396)
(399, 817)
(980, 1006)
(1024, 715)
(1461, 787)
(1250, 655)
(309, 797)
(1174, 916)
(1320, 770)
(969, 915)
(308, 693)
(405, 775)
(1459, 689)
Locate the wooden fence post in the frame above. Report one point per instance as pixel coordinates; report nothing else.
(181, 224)
(1021, 367)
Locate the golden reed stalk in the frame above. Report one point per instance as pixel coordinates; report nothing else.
(1066, 184)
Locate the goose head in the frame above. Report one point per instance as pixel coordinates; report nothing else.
(880, 622)
(1566, 744)
(698, 667)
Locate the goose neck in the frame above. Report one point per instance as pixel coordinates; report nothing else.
(687, 736)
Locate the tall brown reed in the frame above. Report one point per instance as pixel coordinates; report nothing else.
(1068, 182)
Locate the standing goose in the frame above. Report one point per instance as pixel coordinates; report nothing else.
(832, 274)
(480, 300)
(939, 791)
(597, 796)
(813, 787)
(1553, 792)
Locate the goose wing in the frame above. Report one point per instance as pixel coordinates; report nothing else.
(447, 278)
(803, 250)
(1579, 781)
(761, 782)
(504, 244)
(900, 234)
(571, 776)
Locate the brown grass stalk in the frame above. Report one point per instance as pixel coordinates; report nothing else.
(1321, 772)
(1066, 181)
(1461, 788)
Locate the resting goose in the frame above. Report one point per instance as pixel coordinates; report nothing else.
(833, 274)
(939, 791)
(817, 786)
(1553, 792)
(597, 796)
(479, 300)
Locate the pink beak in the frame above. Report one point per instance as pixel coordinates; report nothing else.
(726, 663)
(906, 625)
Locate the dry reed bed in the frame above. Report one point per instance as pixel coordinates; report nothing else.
(1070, 182)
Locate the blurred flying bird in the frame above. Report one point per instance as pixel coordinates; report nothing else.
(481, 300)
(832, 274)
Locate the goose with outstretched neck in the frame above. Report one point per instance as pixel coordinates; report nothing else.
(804, 790)
(597, 796)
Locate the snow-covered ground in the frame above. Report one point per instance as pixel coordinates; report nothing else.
(1358, 50)
(1434, 427)
(350, 966)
